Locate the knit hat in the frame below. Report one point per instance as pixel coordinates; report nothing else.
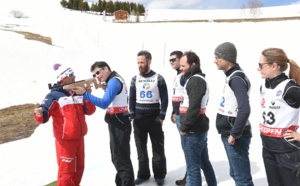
(226, 51)
(62, 72)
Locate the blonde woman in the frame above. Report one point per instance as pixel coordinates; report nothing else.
(280, 102)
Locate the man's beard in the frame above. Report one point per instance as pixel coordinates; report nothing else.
(144, 70)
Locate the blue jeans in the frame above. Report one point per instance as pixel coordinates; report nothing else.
(196, 157)
(238, 156)
(177, 121)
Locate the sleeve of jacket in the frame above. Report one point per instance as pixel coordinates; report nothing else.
(89, 108)
(163, 92)
(196, 88)
(292, 95)
(45, 105)
(239, 87)
(132, 97)
(113, 87)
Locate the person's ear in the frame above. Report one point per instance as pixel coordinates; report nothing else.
(275, 66)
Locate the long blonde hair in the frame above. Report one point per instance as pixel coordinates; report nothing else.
(277, 55)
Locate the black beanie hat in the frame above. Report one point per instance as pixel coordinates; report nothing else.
(226, 51)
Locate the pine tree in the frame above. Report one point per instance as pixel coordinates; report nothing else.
(110, 7)
(64, 3)
(140, 8)
(102, 5)
(137, 18)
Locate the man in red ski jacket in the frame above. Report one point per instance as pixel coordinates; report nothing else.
(68, 112)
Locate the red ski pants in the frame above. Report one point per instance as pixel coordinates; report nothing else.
(70, 160)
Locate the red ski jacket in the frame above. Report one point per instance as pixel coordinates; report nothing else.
(68, 114)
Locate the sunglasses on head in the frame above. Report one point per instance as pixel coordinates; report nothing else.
(98, 72)
(172, 60)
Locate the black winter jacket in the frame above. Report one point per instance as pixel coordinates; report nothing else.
(196, 87)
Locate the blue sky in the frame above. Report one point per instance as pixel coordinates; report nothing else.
(204, 4)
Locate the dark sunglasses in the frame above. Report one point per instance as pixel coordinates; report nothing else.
(261, 65)
(172, 60)
(98, 72)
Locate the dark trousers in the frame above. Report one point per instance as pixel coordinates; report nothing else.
(119, 132)
(152, 126)
(282, 169)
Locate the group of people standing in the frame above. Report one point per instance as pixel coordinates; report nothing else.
(191, 87)
(280, 102)
(145, 106)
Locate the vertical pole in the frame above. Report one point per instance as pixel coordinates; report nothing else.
(164, 52)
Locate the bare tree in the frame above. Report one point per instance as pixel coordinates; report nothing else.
(243, 11)
(254, 7)
(17, 14)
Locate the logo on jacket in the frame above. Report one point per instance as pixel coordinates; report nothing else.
(146, 86)
(278, 93)
(110, 109)
(273, 105)
(263, 101)
(67, 160)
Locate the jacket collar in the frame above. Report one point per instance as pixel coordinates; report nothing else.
(272, 83)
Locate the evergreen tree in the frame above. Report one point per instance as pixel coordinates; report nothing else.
(117, 5)
(103, 5)
(110, 7)
(137, 18)
(83, 6)
(94, 8)
(64, 3)
(140, 8)
(100, 6)
(133, 8)
(127, 6)
(70, 4)
(73, 4)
